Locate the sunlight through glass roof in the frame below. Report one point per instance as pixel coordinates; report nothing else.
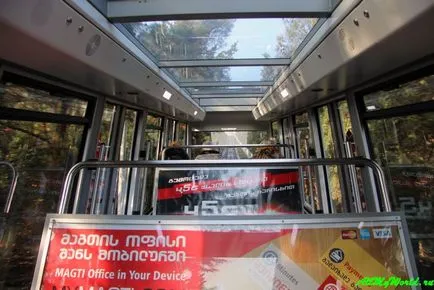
(221, 38)
(212, 53)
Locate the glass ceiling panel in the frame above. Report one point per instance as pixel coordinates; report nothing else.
(215, 74)
(221, 38)
(226, 90)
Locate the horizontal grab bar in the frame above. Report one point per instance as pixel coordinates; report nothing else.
(67, 187)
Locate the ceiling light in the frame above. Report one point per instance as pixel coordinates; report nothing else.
(167, 95)
(284, 93)
(229, 129)
(195, 113)
(371, 108)
(195, 130)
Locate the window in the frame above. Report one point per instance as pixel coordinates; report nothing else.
(106, 130)
(181, 133)
(403, 144)
(302, 118)
(42, 151)
(152, 135)
(417, 91)
(231, 138)
(329, 152)
(31, 99)
(354, 173)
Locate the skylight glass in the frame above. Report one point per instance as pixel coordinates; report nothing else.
(238, 73)
(221, 38)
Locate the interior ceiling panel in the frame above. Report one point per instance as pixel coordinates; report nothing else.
(368, 43)
(68, 47)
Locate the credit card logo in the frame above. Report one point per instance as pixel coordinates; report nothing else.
(383, 233)
(349, 235)
(365, 234)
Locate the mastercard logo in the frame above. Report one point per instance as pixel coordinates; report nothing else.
(349, 235)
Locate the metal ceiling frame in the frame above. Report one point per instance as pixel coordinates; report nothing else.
(226, 91)
(226, 84)
(228, 108)
(207, 102)
(225, 62)
(121, 11)
(227, 96)
(134, 11)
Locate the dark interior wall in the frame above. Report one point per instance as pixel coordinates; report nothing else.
(215, 121)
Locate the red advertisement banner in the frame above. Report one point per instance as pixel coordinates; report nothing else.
(116, 253)
(234, 191)
(139, 259)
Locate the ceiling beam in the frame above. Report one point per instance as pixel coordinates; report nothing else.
(228, 108)
(224, 62)
(228, 102)
(133, 10)
(227, 96)
(248, 91)
(225, 84)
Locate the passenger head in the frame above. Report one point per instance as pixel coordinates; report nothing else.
(265, 153)
(175, 152)
(209, 150)
(174, 144)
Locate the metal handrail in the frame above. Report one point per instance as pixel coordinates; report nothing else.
(291, 149)
(67, 187)
(12, 187)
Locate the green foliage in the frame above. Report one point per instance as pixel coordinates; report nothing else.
(408, 139)
(293, 35)
(192, 39)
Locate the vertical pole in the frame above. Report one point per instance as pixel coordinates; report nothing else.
(189, 138)
(84, 179)
(116, 147)
(145, 197)
(339, 152)
(321, 181)
(134, 196)
(359, 132)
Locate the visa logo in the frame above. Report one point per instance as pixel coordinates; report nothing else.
(384, 233)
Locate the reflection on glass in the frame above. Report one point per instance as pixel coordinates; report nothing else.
(107, 124)
(125, 154)
(329, 152)
(302, 118)
(351, 151)
(170, 131)
(26, 98)
(275, 130)
(152, 138)
(5, 184)
(404, 146)
(42, 154)
(417, 91)
(230, 138)
(153, 121)
(306, 151)
(181, 131)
